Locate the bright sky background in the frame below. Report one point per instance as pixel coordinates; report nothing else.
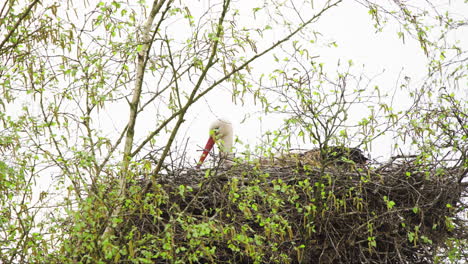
(350, 25)
(382, 54)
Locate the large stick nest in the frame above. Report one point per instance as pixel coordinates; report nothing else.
(400, 212)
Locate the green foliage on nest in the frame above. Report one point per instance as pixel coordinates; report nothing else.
(400, 212)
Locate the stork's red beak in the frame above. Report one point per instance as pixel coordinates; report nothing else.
(206, 151)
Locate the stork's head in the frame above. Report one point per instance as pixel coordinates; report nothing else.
(221, 134)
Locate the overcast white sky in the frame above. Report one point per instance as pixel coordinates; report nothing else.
(380, 54)
(350, 25)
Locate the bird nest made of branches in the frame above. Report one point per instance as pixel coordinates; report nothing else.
(399, 212)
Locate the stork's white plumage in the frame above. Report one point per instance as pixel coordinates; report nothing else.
(221, 133)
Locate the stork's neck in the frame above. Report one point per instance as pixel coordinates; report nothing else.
(225, 145)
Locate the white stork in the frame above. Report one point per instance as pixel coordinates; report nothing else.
(221, 133)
